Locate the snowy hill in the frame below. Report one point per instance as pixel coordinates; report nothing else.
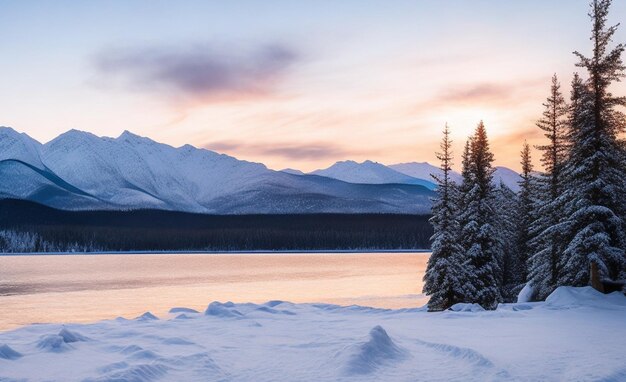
(370, 172)
(78, 170)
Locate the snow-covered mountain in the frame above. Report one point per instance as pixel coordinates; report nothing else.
(370, 172)
(78, 170)
(423, 170)
(507, 176)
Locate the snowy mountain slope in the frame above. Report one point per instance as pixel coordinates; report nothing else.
(369, 172)
(507, 176)
(14, 145)
(423, 170)
(82, 170)
(24, 181)
(283, 193)
(131, 170)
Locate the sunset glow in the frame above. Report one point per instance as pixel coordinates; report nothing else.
(290, 84)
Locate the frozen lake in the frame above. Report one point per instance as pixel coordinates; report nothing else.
(85, 288)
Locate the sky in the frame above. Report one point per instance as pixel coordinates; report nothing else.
(291, 83)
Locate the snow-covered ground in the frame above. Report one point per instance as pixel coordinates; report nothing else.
(578, 334)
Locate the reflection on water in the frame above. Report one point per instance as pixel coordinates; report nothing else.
(82, 288)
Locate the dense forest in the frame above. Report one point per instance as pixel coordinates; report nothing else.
(30, 227)
(567, 225)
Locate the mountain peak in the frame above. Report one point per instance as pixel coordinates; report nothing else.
(130, 137)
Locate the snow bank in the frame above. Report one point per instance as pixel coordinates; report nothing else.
(567, 297)
(465, 307)
(578, 334)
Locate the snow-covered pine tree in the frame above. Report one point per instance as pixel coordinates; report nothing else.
(506, 204)
(547, 243)
(479, 238)
(444, 273)
(595, 167)
(526, 202)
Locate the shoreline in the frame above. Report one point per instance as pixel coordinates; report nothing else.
(259, 252)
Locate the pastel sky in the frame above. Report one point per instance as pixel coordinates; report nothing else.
(291, 83)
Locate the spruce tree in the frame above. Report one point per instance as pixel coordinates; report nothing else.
(482, 256)
(595, 166)
(507, 217)
(526, 202)
(444, 273)
(547, 242)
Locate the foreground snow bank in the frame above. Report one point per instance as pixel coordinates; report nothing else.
(578, 334)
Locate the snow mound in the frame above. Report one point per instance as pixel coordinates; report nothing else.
(147, 317)
(6, 352)
(69, 336)
(136, 373)
(53, 343)
(465, 307)
(571, 297)
(526, 294)
(377, 351)
(183, 310)
(57, 343)
(225, 310)
(517, 307)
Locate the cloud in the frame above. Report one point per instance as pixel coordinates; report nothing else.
(478, 93)
(489, 94)
(295, 151)
(198, 72)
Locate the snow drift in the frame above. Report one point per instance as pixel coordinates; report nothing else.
(577, 334)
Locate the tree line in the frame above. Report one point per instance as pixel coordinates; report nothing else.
(30, 227)
(490, 242)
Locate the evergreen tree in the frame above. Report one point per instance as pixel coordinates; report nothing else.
(547, 242)
(482, 257)
(444, 273)
(526, 202)
(507, 217)
(596, 174)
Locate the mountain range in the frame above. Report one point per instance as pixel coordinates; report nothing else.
(80, 171)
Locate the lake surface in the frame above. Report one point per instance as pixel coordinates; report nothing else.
(85, 288)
